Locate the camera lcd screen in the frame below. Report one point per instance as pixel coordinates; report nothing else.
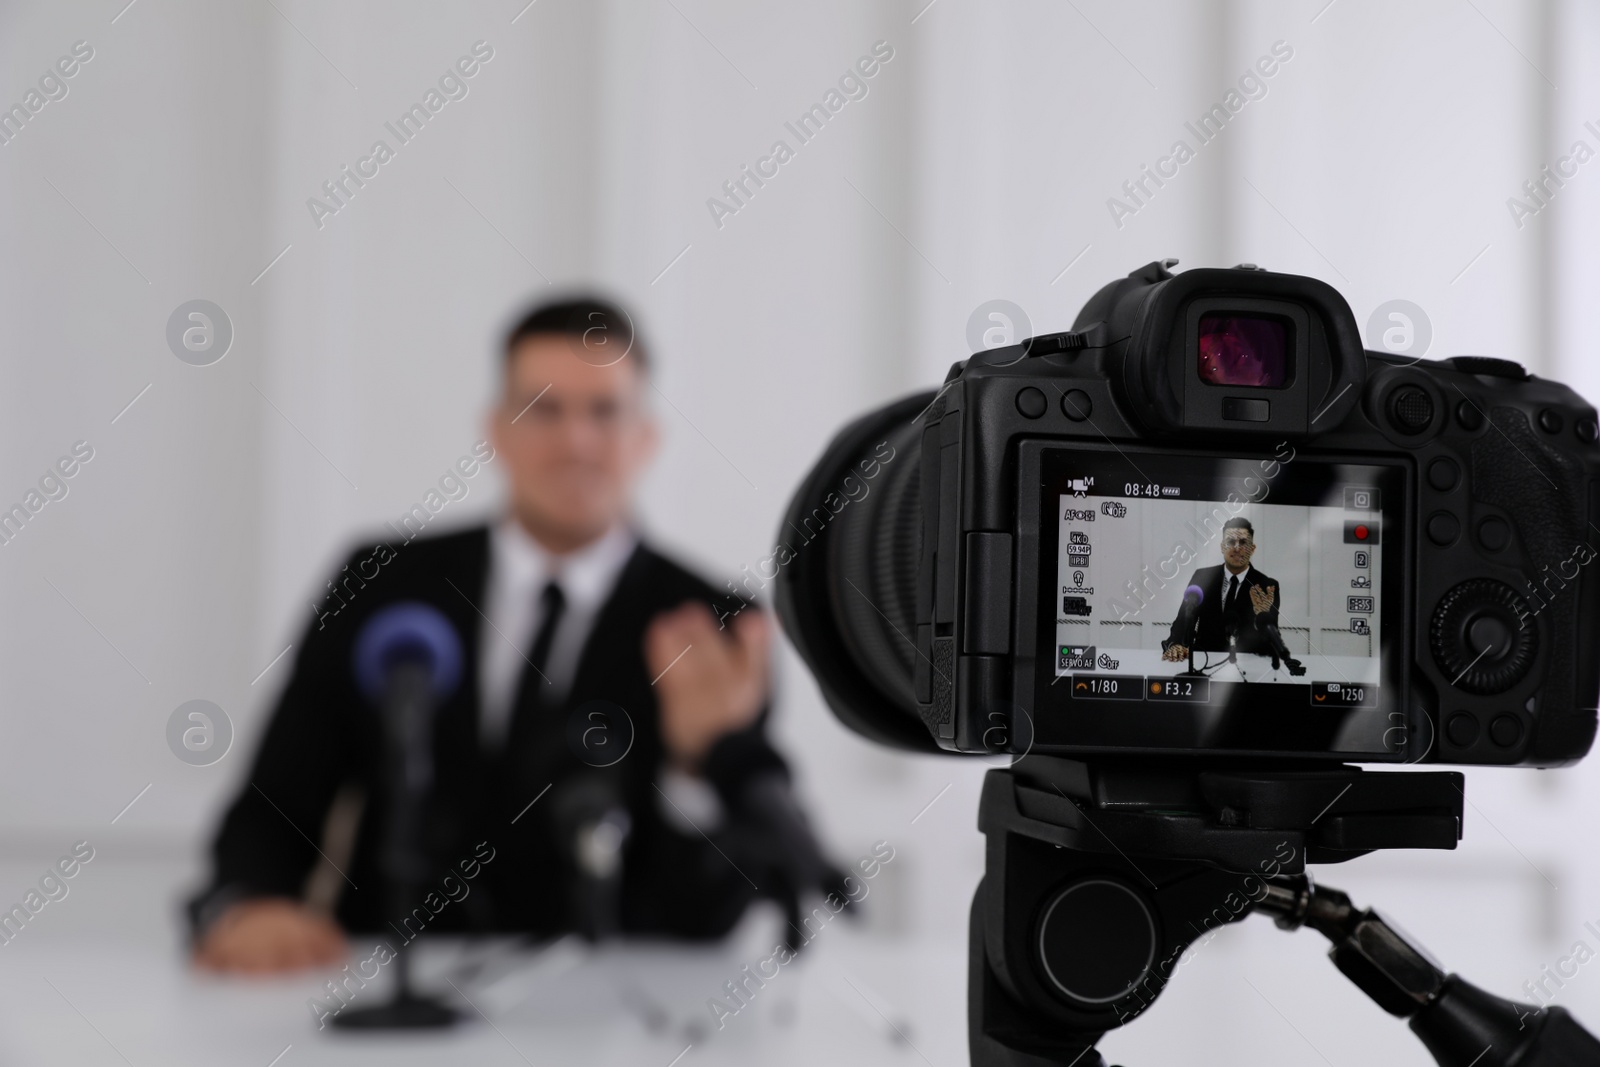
(1243, 350)
(1241, 604)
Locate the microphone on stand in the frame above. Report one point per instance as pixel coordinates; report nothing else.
(1193, 597)
(407, 663)
(771, 833)
(593, 825)
(1280, 651)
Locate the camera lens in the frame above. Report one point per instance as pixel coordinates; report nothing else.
(1247, 350)
(847, 591)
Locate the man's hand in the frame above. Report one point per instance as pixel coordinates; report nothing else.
(1262, 599)
(1176, 653)
(270, 936)
(709, 682)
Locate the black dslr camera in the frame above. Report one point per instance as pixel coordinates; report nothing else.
(1053, 530)
(1187, 563)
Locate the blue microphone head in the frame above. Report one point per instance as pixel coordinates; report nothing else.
(1196, 592)
(408, 631)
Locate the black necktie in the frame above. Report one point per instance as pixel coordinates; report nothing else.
(1233, 594)
(552, 601)
(531, 691)
(532, 685)
(528, 735)
(521, 769)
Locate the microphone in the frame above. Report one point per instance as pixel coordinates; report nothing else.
(772, 833)
(406, 634)
(593, 826)
(1280, 651)
(1189, 620)
(406, 663)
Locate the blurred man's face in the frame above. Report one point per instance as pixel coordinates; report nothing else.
(574, 437)
(1237, 547)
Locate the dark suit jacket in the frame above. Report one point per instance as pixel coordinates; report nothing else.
(1212, 633)
(324, 735)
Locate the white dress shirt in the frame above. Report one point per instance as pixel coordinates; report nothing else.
(519, 567)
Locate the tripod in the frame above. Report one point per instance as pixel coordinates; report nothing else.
(1099, 877)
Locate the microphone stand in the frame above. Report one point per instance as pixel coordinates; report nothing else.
(1232, 629)
(408, 770)
(1194, 630)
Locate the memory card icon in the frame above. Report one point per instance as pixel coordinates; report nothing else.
(1075, 605)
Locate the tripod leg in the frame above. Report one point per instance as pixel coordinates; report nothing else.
(1461, 1025)
(1464, 1026)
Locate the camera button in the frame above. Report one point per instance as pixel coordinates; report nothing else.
(1488, 635)
(1411, 409)
(1588, 430)
(1494, 533)
(1076, 405)
(1505, 730)
(1031, 403)
(1443, 474)
(1462, 729)
(1443, 528)
(1550, 421)
(1469, 416)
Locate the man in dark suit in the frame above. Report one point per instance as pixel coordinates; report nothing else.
(1239, 603)
(570, 625)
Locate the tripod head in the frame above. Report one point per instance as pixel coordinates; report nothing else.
(1100, 876)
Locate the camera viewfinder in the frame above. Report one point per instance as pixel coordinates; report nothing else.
(1243, 350)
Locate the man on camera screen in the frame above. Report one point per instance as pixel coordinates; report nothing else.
(1238, 602)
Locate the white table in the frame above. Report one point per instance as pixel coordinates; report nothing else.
(99, 981)
(94, 1003)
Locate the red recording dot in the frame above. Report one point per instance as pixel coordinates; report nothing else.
(1361, 532)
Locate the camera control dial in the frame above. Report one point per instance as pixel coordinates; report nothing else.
(1482, 637)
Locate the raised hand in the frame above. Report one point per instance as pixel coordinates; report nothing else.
(710, 682)
(1262, 599)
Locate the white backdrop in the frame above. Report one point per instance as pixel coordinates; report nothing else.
(978, 165)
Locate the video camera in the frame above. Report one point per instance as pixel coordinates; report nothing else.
(1188, 563)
